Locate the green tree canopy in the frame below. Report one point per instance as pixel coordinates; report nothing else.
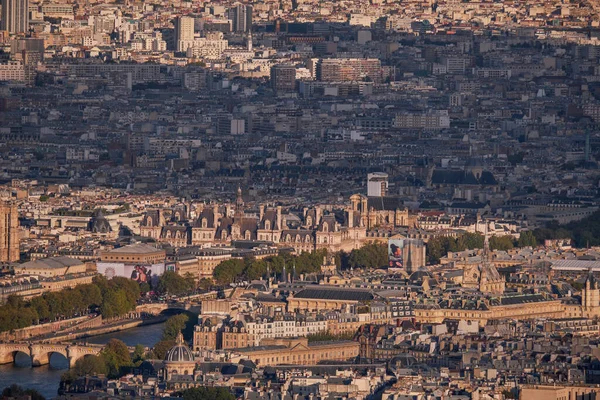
(87, 366)
(527, 239)
(371, 255)
(174, 284)
(506, 242)
(160, 349)
(116, 357)
(207, 393)
(227, 271)
(174, 325)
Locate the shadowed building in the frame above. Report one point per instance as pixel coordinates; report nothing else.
(9, 233)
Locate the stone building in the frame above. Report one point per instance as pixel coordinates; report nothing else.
(297, 351)
(321, 298)
(379, 212)
(483, 275)
(9, 232)
(307, 230)
(134, 254)
(516, 307)
(179, 361)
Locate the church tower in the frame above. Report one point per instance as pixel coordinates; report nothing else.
(590, 296)
(9, 232)
(239, 203)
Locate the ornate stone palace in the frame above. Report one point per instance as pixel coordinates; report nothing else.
(307, 229)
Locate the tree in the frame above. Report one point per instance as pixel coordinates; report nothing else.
(527, 239)
(205, 284)
(207, 393)
(469, 241)
(256, 269)
(139, 355)
(172, 283)
(14, 391)
(116, 357)
(174, 326)
(91, 294)
(114, 305)
(41, 307)
(160, 349)
(371, 255)
(504, 243)
(228, 270)
(439, 247)
(87, 366)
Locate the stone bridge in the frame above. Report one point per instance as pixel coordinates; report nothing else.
(40, 352)
(157, 308)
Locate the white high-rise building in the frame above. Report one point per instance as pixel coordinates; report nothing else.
(15, 16)
(184, 33)
(377, 184)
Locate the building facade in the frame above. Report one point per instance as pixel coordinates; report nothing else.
(15, 16)
(9, 233)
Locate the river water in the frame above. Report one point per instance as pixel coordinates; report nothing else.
(46, 379)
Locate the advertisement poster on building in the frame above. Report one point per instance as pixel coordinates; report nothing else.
(138, 272)
(396, 253)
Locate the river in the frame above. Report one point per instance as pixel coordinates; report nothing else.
(46, 379)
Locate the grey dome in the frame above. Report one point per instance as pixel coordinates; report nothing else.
(180, 352)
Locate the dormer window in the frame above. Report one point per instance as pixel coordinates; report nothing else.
(204, 223)
(267, 225)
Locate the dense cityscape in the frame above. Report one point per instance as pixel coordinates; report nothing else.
(305, 199)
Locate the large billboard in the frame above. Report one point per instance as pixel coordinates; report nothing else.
(396, 253)
(138, 272)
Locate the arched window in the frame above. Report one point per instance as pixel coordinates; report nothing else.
(325, 227)
(247, 235)
(204, 223)
(308, 221)
(224, 235)
(267, 225)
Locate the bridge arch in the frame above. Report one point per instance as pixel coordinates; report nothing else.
(21, 358)
(40, 354)
(80, 352)
(8, 353)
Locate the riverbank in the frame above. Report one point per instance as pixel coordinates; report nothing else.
(106, 329)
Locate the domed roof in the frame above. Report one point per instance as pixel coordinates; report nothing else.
(180, 352)
(418, 276)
